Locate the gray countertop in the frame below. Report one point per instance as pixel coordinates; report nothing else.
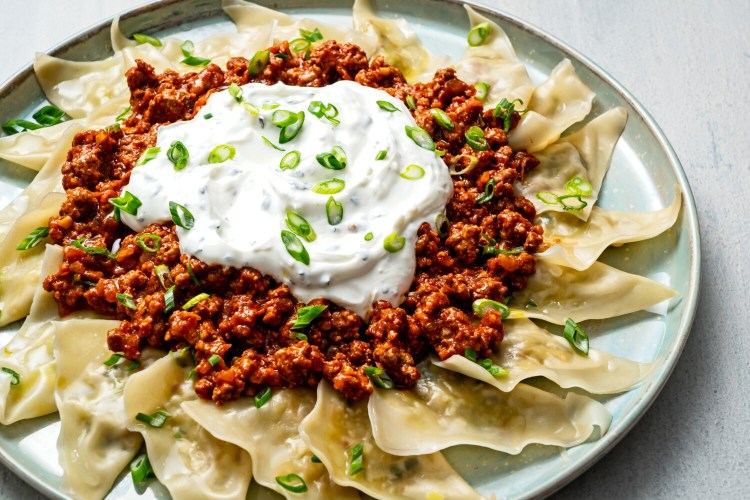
(688, 62)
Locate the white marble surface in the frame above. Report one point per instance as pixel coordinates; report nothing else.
(688, 62)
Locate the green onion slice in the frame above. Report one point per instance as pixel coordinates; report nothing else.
(475, 138)
(311, 36)
(482, 90)
(181, 216)
(258, 62)
(221, 153)
(470, 354)
(140, 469)
(178, 155)
(196, 61)
(126, 203)
(113, 359)
(148, 242)
(576, 336)
(387, 106)
(489, 192)
(124, 113)
(393, 243)
(356, 456)
(252, 109)
(214, 360)
(290, 130)
(187, 48)
(334, 211)
(147, 156)
(547, 197)
(143, 38)
(369, 237)
(442, 225)
(300, 336)
(282, 117)
(294, 247)
(281, 55)
(126, 300)
(479, 34)
(208, 116)
(15, 377)
(33, 238)
(481, 306)
(292, 482)
(442, 118)
(49, 115)
(92, 250)
(192, 275)
(262, 397)
(195, 301)
(381, 154)
(335, 160)
(327, 111)
(268, 142)
(300, 226)
(290, 161)
(531, 303)
(235, 91)
(470, 161)
(504, 111)
(378, 377)
(9, 126)
(412, 172)
(569, 204)
(332, 186)
(578, 186)
(155, 420)
(169, 300)
(420, 137)
(314, 459)
(299, 45)
(163, 274)
(410, 102)
(306, 315)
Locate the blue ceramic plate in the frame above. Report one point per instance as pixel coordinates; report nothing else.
(644, 176)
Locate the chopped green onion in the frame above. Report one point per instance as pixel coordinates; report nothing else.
(190, 374)
(162, 273)
(196, 61)
(410, 103)
(332, 186)
(531, 303)
(381, 154)
(473, 161)
(412, 172)
(181, 216)
(356, 459)
(282, 118)
(126, 300)
(49, 115)
(299, 45)
(504, 111)
(214, 360)
(576, 207)
(9, 126)
(140, 469)
(311, 36)
(169, 300)
(334, 211)
(133, 366)
(187, 48)
(292, 482)
(263, 397)
(439, 152)
(479, 34)
(300, 226)
(195, 301)
(15, 377)
(314, 459)
(327, 111)
(92, 250)
(155, 420)
(208, 116)
(113, 359)
(124, 113)
(470, 354)
(335, 160)
(393, 243)
(270, 105)
(268, 142)
(192, 275)
(547, 197)
(33, 238)
(578, 186)
(379, 377)
(441, 220)
(290, 161)
(221, 153)
(294, 247)
(489, 192)
(481, 306)
(143, 38)
(300, 336)
(258, 62)
(142, 241)
(475, 138)
(369, 237)
(178, 155)
(482, 90)
(281, 55)
(306, 315)
(251, 108)
(420, 137)
(442, 118)
(235, 91)
(576, 336)
(147, 156)
(290, 123)
(387, 106)
(126, 203)
(497, 370)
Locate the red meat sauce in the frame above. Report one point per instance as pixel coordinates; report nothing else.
(247, 319)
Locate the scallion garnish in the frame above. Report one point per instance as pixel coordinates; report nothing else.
(441, 221)
(393, 243)
(299, 45)
(387, 106)
(9, 126)
(300, 226)
(578, 186)
(531, 303)
(470, 354)
(270, 105)
(269, 143)
(412, 172)
(192, 275)
(410, 102)
(379, 377)
(334, 211)
(335, 160)
(134, 365)
(332, 186)
(314, 459)
(569, 203)
(163, 274)
(258, 62)
(290, 161)
(124, 113)
(369, 237)
(214, 360)
(489, 192)
(547, 197)
(281, 55)
(113, 359)
(126, 300)
(479, 34)
(92, 250)
(576, 336)
(196, 61)
(481, 306)
(356, 456)
(442, 118)
(306, 315)
(187, 48)
(294, 247)
(178, 155)
(155, 420)
(381, 154)
(126, 203)
(263, 397)
(475, 138)
(327, 111)
(169, 300)
(235, 91)
(147, 156)
(492, 248)
(221, 153)
(420, 137)
(33, 238)
(311, 36)
(300, 336)
(208, 116)
(143, 38)
(471, 162)
(504, 111)
(181, 216)
(140, 469)
(482, 90)
(48, 115)
(15, 378)
(292, 482)
(195, 301)
(148, 242)
(290, 124)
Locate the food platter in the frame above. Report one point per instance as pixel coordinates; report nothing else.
(643, 176)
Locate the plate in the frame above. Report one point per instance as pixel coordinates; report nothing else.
(644, 175)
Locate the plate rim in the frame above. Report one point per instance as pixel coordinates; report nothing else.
(688, 211)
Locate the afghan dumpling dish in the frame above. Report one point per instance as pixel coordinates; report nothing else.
(312, 258)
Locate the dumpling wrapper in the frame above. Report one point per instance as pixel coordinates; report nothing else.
(271, 436)
(186, 458)
(33, 148)
(599, 292)
(94, 444)
(336, 425)
(495, 63)
(447, 409)
(530, 351)
(578, 244)
(559, 102)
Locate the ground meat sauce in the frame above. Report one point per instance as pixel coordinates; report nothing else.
(247, 318)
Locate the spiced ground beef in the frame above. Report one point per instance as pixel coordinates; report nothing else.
(247, 318)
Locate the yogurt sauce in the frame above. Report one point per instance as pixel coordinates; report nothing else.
(240, 206)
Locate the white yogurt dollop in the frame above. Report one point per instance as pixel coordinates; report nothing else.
(240, 206)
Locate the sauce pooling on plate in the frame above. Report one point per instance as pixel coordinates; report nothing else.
(322, 188)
